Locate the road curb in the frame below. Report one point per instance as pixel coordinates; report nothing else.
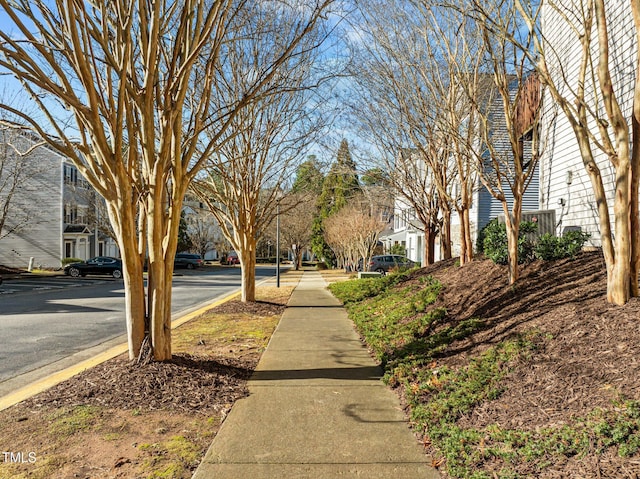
(53, 379)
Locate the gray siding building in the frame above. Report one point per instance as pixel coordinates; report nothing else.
(50, 214)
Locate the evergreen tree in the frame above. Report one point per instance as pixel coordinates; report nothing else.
(340, 185)
(376, 177)
(309, 178)
(184, 242)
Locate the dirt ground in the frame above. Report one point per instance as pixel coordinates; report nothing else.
(589, 360)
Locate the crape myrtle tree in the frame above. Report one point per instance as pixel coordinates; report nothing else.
(402, 69)
(453, 50)
(505, 101)
(202, 228)
(296, 217)
(242, 180)
(582, 71)
(125, 87)
(353, 232)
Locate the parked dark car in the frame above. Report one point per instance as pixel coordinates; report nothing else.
(383, 263)
(188, 260)
(97, 265)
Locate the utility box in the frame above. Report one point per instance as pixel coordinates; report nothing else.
(368, 274)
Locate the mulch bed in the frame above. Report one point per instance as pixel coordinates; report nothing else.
(259, 308)
(186, 383)
(586, 359)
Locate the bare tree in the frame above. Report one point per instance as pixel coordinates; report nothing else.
(242, 180)
(505, 103)
(405, 68)
(581, 72)
(353, 232)
(295, 224)
(202, 229)
(17, 168)
(136, 80)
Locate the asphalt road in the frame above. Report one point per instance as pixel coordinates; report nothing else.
(45, 320)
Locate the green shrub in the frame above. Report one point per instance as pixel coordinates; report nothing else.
(495, 242)
(482, 234)
(398, 248)
(551, 247)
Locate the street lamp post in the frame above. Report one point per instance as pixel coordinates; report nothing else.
(278, 245)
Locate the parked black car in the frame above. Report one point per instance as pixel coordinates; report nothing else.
(97, 265)
(383, 263)
(188, 260)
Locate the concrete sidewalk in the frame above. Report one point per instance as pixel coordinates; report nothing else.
(317, 407)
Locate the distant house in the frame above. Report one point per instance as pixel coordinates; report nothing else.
(409, 231)
(202, 228)
(62, 212)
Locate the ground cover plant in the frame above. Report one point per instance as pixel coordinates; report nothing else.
(538, 379)
(151, 420)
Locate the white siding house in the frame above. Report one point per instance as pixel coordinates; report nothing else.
(407, 231)
(407, 228)
(564, 184)
(57, 201)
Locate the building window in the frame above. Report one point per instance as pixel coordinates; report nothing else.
(71, 214)
(70, 175)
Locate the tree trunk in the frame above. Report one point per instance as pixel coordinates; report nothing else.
(635, 166)
(445, 233)
(122, 217)
(297, 258)
(512, 223)
(619, 277)
(135, 311)
(466, 254)
(619, 281)
(466, 243)
(429, 246)
(248, 264)
(159, 294)
(162, 243)
(466, 236)
(247, 257)
(512, 246)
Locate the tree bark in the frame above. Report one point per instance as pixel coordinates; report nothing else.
(445, 233)
(123, 219)
(467, 239)
(466, 243)
(619, 278)
(512, 223)
(248, 264)
(634, 209)
(429, 246)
